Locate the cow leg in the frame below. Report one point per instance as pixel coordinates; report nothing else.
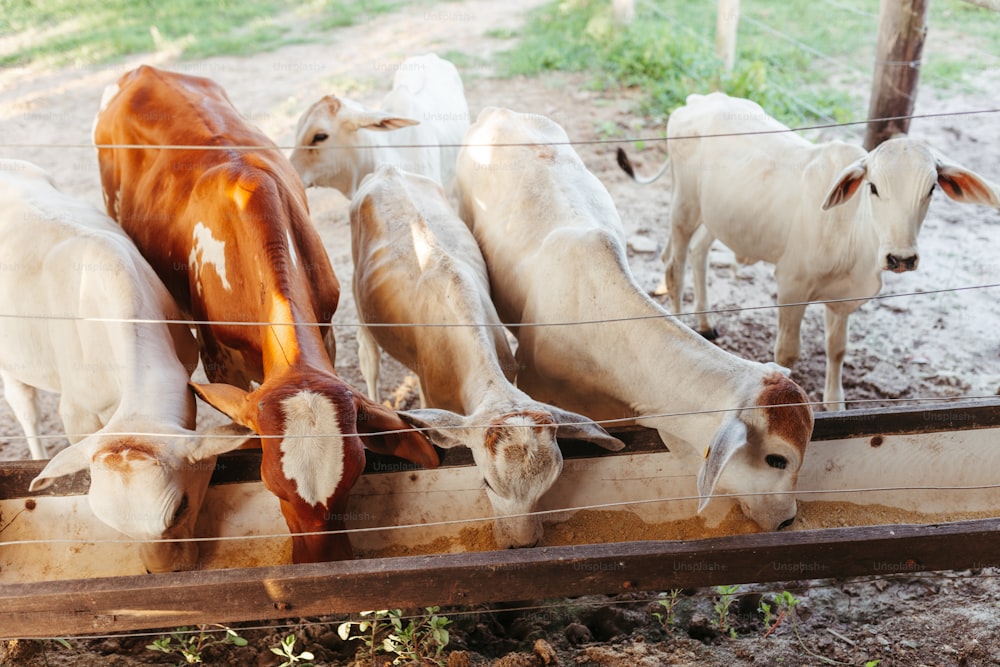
(21, 398)
(368, 359)
(835, 322)
(701, 242)
(786, 345)
(661, 289)
(684, 222)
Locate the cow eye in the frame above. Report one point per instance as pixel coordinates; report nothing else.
(775, 461)
(874, 190)
(487, 484)
(181, 509)
(319, 137)
(931, 191)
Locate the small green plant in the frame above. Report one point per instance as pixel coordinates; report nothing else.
(421, 639)
(725, 599)
(287, 651)
(668, 602)
(873, 663)
(783, 605)
(190, 643)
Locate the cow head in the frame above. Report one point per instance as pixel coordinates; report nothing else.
(313, 429)
(518, 457)
(148, 487)
(332, 144)
(895, 183)
(755, 455)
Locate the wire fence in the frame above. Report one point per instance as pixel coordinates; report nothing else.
(831, 124)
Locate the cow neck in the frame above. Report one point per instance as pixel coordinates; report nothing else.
(292, 339)
(153, 381)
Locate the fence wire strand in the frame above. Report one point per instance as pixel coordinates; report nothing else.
(704, 593)
(570, 142)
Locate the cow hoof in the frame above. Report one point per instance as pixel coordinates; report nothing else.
(710, 334)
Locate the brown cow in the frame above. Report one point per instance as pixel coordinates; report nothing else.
(228, 231)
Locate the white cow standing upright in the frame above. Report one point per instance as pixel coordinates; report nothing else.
(831, 217)
(597, 344)
(419, 129)
(85, 317)
(416, 263)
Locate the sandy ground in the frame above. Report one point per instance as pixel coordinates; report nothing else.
(932, 345)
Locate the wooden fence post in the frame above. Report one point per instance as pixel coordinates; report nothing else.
(727, 23)
(623, 11)
(902, 28)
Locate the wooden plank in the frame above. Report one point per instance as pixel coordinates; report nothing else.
(935, 418)
(244, 465)
(257, 594)
(902, 29)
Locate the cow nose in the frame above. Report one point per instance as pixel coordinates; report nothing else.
(524, 545)
(899, 264)
(786, 523)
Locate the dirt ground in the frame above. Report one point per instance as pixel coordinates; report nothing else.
(924, 346)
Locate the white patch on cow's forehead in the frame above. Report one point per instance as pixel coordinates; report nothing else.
(291, 248)
(313, 447)
(206, 249)
(520, 420)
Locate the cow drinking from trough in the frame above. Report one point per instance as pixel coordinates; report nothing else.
(829, 216)
(87, 318)
(416, 263)
(228, 230)
(555, 249)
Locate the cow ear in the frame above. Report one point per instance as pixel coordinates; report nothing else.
(729, 439)
(370, 119)
(219, 440)
(966, 186)
(573, 426)
(847, 183)
(227, 399)
(385, 432)
(70, 460)
(444, 428)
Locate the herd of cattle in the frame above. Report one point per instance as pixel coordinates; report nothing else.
(207, 222)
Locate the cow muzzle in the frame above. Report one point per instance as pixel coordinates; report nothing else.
(898, 264)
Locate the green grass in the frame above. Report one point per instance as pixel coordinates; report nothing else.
(341, 13)
(87, 32)
(797, 58)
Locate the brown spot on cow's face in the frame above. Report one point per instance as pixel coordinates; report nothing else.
(788, 416)
(119, 455)
(495, 430)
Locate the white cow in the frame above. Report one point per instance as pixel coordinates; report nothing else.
(70, 275)
(555, 249)
(829, 216)
(419, 128)
(415, 262)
